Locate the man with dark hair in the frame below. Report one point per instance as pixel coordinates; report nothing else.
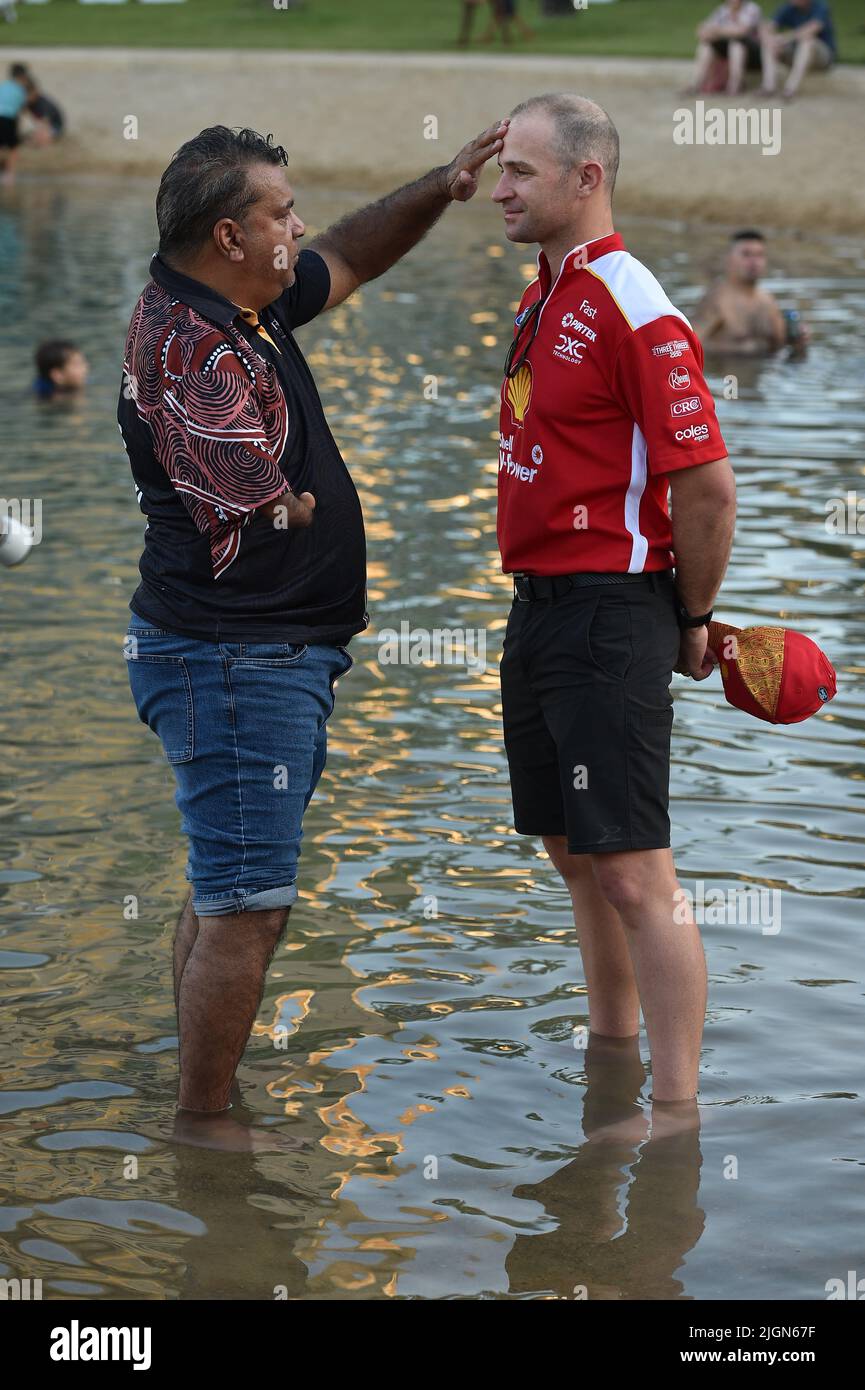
(604, 411)
(737, 316)
(253, 575)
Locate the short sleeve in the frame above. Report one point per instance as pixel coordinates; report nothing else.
(306, 298)
(219, 443)
(658, 378)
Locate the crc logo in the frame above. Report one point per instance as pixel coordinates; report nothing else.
(569, 349)
(537, 454)
(679, 379)
(699, 433)
(689, 406)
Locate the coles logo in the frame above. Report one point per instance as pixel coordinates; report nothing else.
(698, 433)
(689, 406)
(679, 379)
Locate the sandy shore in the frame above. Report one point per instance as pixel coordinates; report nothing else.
(362, 120)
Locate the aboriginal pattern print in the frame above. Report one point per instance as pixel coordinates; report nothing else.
(216, 412)
(761, 662)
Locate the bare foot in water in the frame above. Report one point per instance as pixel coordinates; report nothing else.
(634, 1129)
(674, 1117)
(222, 1131)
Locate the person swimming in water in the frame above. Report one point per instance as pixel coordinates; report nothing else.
(737, 316)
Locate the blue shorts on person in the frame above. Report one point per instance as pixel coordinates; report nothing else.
(243, 725)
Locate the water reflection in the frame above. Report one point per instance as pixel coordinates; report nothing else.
(418, 1029)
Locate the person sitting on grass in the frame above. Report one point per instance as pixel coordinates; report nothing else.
(801, 34)
(731, 32)
(61, 369)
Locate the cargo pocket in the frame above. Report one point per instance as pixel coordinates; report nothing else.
(162, 692)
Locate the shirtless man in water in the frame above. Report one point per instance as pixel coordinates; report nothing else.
(736, 315)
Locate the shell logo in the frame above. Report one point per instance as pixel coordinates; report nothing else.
(518, 393)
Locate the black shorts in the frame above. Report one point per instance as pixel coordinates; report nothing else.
(9, 138)
(753, 55)
(588, 712)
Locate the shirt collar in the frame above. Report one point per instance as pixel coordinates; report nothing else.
(200, 297)
(588, 251)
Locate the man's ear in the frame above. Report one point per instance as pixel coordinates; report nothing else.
(590, 177)
(228, 238)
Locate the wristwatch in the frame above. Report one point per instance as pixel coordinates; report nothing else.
(686, 619)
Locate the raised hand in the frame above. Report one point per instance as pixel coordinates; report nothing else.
(462, 172)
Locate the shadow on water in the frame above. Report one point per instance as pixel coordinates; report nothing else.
(417, 1031)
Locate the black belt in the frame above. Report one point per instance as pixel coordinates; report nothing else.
(528, 587)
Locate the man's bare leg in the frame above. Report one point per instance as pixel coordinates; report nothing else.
(220, 991)
(669, 963)
(769, 50)
(614, 1004)
(736, 58)
(184, 940)
(801, 62)
(221, 987)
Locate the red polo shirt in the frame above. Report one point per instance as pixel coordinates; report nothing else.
(610, 400)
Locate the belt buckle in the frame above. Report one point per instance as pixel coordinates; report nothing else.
(527, 580)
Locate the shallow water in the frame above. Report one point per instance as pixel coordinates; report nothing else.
(418, 1028)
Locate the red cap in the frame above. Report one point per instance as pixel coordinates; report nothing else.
(772, 672)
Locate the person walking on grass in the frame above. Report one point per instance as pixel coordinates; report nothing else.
(505, 18)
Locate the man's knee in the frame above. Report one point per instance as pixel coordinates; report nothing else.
(574, 868)
(629, 880)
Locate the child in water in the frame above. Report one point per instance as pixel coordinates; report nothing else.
(61, 367)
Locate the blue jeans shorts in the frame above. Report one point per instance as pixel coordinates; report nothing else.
(244, 727)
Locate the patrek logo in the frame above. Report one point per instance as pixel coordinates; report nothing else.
(679, 379)
(518, 393)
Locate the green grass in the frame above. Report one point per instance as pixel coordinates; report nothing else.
(628, 28)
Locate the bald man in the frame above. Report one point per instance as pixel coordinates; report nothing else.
(604, 412)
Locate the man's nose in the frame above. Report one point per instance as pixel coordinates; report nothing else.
(501, 191)
(298, 229)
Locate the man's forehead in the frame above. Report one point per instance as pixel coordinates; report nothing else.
(271, 183)
(528, 138)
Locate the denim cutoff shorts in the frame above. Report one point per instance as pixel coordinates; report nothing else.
(244, 727)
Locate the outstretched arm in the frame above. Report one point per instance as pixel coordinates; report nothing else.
(366, 243)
